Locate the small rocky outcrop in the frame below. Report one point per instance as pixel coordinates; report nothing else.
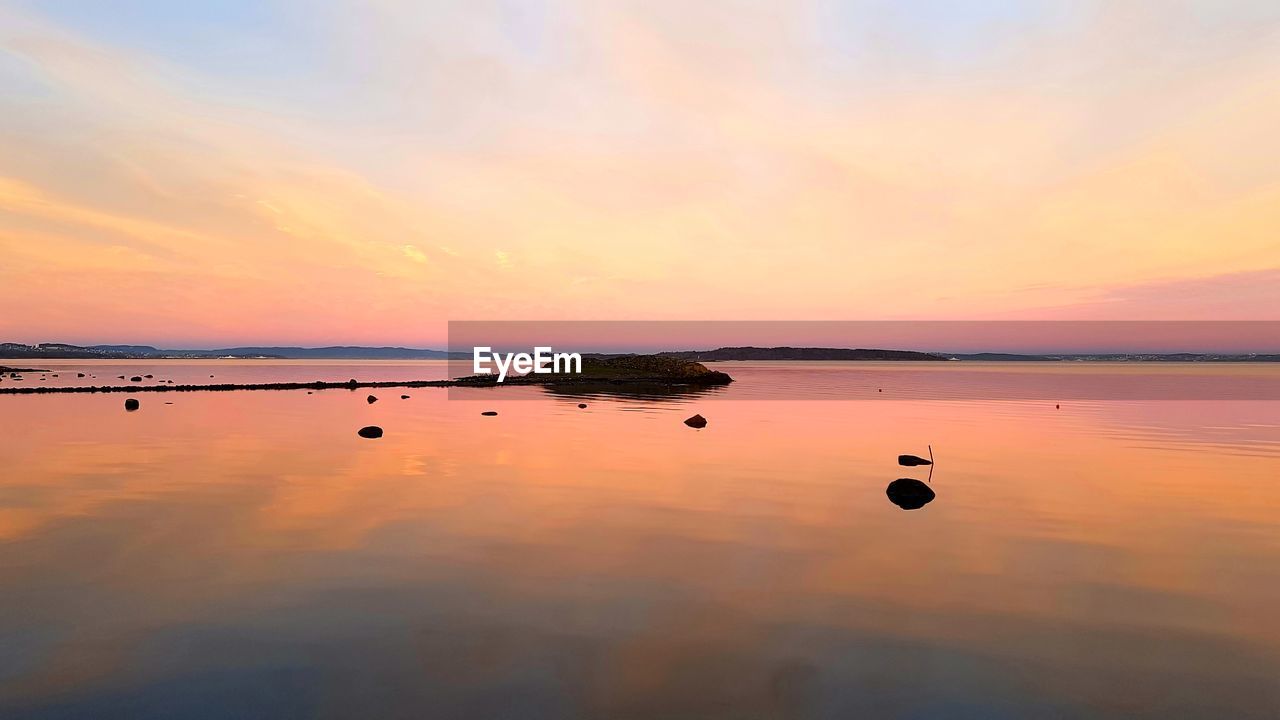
(909, 494)
(130, 404)
(370, 431)
(697, 421)
(913, 460)
(135, 378)
(489, 413)
(581, 405)
(371, 399)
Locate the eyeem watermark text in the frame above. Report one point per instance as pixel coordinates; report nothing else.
(542, 361)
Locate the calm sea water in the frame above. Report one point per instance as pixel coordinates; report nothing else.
(246, 554)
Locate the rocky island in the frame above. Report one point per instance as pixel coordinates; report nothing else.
(621, 369)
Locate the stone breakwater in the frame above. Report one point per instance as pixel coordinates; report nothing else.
(621, 371)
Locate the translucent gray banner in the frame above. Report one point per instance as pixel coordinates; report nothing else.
(876, 360)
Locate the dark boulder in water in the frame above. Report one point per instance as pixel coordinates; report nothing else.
(148, 376)
(913, 460)
(371, 431)
(135, 378)
(909, 494)
(130, 404)
(489, 413)
(581, 405)
(404, 397)
(79, 374)
(371, 399)
(697, 421)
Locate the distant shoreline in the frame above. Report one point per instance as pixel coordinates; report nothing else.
(60, 351)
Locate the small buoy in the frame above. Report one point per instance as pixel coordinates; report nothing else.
(1057, 407)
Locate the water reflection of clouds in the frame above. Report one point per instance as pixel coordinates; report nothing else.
(604, 564)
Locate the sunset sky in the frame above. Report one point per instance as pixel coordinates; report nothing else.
(363, 172)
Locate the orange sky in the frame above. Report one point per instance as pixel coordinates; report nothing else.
(362, 173)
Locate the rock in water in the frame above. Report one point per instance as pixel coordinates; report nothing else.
(581, 405)
(79, 374)
(404, 397)
(371, 431)
(371, 399)
(130, 404)
(909, 494)
(697, 421)
(913, 460)
(135, 378)
(489, 413)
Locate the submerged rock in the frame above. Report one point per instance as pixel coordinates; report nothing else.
(130, 404)
(370, 431)
(909, 494)
(371, 399)
(489, 413)
(913, 460)
(697, 421)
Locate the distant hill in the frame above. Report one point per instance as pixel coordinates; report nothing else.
(342, 352)
(1001, 357)
(144, 352)
(800, 353)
